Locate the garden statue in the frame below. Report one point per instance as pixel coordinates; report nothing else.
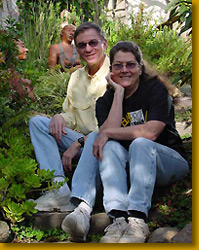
(65, 52)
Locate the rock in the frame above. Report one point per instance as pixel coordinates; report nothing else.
(4, 231)
(99, 222)
(183, 128)
(49, 220)
(163, 235)
(184, 236)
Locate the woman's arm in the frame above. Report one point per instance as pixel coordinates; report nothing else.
(114, 118)
(150, 130)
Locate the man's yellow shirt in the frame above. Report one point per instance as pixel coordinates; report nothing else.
(82, 92)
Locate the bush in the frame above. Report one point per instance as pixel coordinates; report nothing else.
(19, 175)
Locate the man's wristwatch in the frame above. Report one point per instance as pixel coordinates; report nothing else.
(81, 141)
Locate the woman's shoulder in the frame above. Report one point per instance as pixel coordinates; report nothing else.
(156, 83)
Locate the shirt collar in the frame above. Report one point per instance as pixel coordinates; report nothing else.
(102, 69)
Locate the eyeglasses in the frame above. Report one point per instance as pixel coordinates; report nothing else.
(92, 43)
(129, 65)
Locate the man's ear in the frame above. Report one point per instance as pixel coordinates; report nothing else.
(104, 44)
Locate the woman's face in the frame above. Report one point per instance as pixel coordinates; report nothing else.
(126, 70)
(22, 50)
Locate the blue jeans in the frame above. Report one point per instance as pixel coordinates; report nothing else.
(47, 149)
(150, 163)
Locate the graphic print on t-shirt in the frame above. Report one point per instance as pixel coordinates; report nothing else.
(133, 118)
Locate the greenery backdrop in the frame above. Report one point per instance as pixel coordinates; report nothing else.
(166, 49)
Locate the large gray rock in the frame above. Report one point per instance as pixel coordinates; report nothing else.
(49, 220)
(99, 222)
(163, 235)
(184, 236)
(4, 231)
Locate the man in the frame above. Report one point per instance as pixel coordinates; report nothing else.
(64, 53)
(66, 132)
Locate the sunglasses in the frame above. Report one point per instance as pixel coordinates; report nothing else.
(128, 65)
(92, 43)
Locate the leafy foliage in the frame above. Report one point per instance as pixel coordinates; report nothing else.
(173, 205)
(163, 48)
(29, 234)
(19, 176)
(181, 12)
(50, 93)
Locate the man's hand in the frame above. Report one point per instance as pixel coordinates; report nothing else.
(99, 144)
(69, 154)
(57, 127)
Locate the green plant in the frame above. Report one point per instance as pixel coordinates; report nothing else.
(50, 92)
(181, 12)
(163, 48)
(174, 204)
(27, 234)
(19, 176)
(41, 29)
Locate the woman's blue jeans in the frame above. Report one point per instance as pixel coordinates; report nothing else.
(150, 163)
(47, 149)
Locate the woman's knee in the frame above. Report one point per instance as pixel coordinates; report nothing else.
(141, 142)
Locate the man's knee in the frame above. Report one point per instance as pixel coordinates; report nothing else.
(92, 136)
(36, 121)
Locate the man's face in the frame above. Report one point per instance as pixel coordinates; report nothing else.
(91, 47)
(68, 32)
(22, 50)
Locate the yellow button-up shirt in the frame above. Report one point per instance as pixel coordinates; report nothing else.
(82, 92)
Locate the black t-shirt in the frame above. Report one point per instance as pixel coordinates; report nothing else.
(151, 101)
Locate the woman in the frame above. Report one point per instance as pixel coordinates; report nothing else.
(136, 120)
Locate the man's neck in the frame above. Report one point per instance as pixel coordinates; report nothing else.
(92, 69)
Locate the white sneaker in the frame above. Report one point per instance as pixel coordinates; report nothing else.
(114, 231)
(77, 224)
(53, 200)
(136, 232)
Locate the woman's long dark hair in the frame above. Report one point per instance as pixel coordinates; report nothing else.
(147, 71)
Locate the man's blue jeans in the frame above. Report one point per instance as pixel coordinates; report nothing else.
(47, 149)
(150, 163)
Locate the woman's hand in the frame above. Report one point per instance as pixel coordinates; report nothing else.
(99, 144)
(113, 84)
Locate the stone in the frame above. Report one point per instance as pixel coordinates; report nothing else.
(49, 220)
(4, 232)
(184, 236)
(98, 223)
(183, 128)
(163, 235)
